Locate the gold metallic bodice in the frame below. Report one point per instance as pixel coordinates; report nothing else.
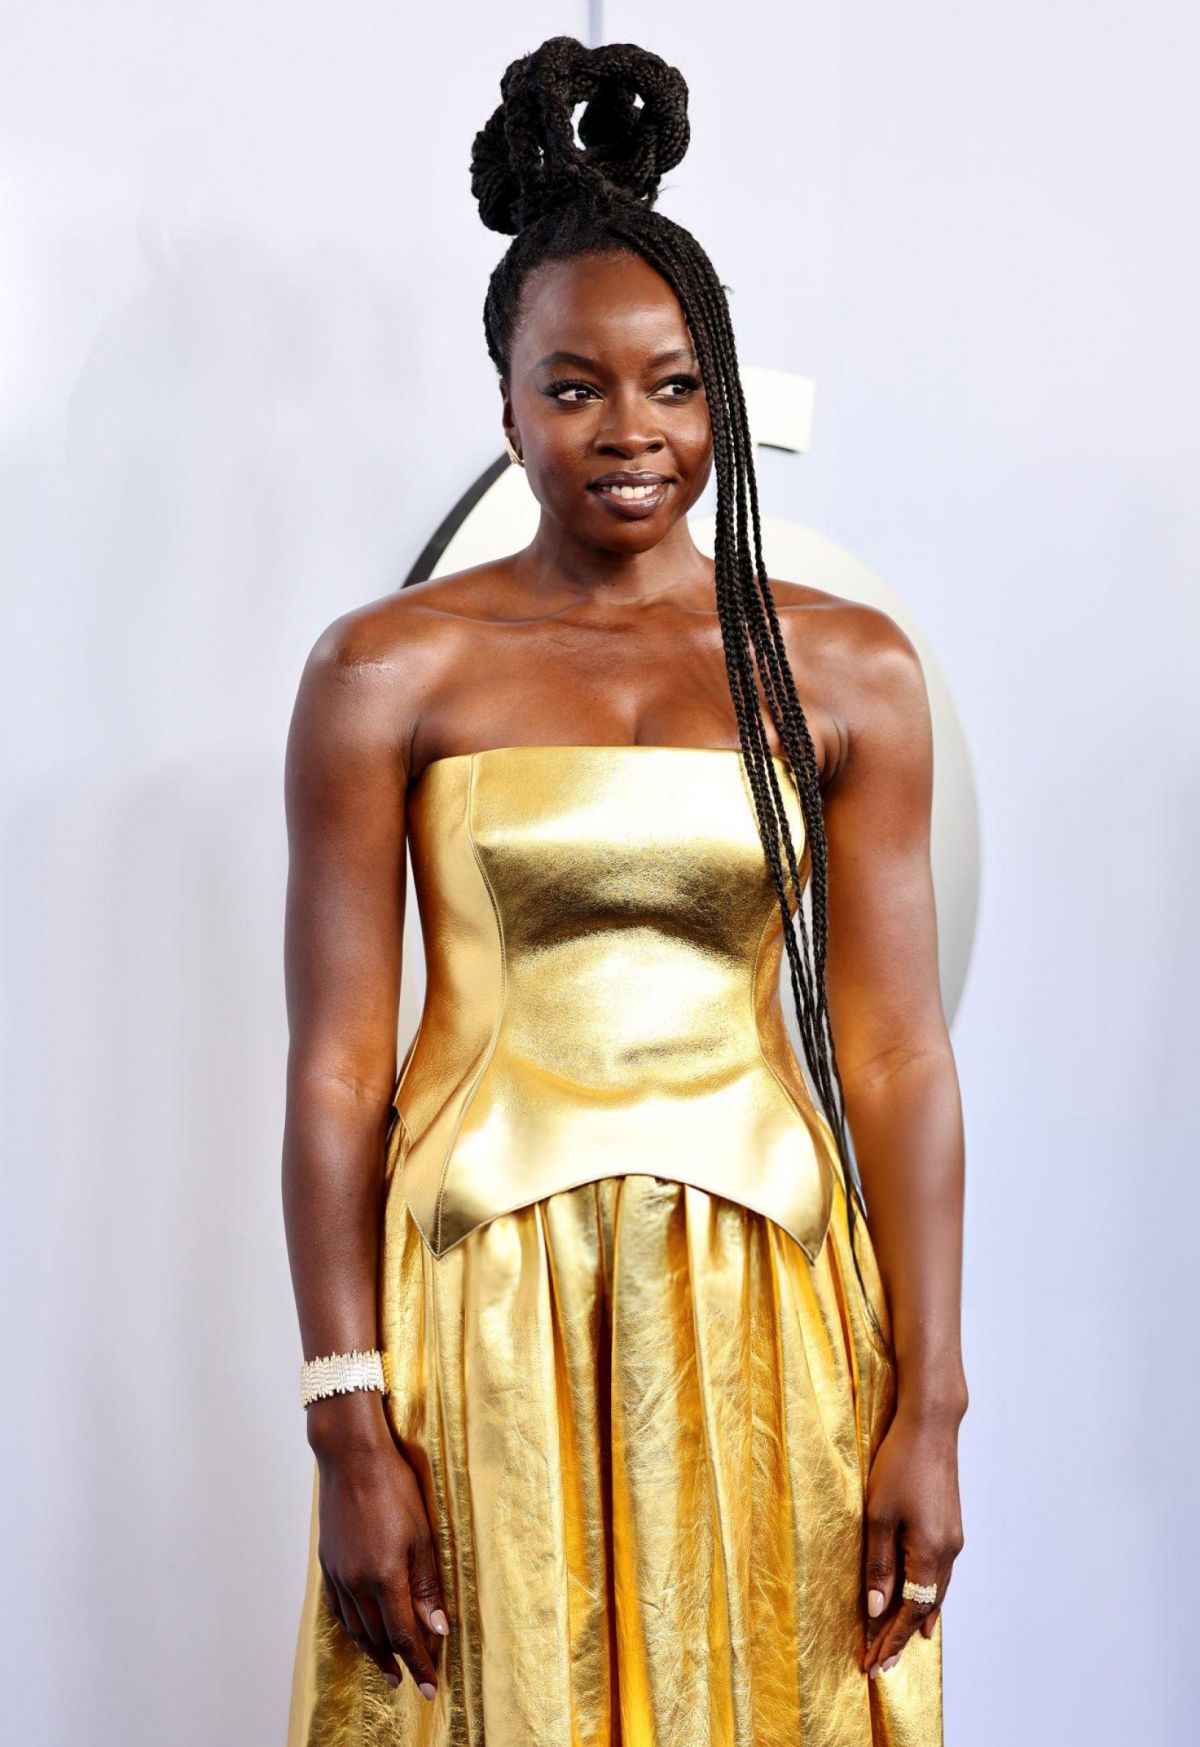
(602, 944)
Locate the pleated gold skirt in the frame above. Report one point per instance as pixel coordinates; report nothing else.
(643, 1422)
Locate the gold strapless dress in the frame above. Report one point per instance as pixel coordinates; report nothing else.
(632, 1366)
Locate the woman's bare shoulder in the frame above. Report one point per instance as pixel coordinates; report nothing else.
(395, 628)
(856, 660)
(852, 635)
(836, 615)
(379, 666)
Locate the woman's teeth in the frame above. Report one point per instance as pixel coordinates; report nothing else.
(632, 490)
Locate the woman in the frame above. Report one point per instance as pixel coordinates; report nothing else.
(626, 1429)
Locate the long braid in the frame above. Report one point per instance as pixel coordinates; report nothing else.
(559, 198)
(760, 619)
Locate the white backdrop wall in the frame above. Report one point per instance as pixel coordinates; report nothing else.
(242, 376)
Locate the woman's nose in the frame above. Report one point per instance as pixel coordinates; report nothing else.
(629, 424)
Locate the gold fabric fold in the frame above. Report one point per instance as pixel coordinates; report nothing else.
(643, 1423)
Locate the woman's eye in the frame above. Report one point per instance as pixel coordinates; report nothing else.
(559, 390)
(688, 383)
(573, 393)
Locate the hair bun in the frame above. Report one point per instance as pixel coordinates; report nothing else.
(526, 162)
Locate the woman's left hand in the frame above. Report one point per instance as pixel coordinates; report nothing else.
(913, 1529)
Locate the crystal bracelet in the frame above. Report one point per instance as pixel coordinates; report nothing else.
(339, 1373)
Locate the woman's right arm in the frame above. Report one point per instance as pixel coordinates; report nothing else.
(346, 778)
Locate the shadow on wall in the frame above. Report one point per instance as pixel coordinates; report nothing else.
(230, 460)
(155, 1050)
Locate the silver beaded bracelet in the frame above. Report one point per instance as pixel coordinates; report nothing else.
(339, 1373)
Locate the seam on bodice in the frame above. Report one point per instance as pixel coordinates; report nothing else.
(787, 1091)
(469, 821)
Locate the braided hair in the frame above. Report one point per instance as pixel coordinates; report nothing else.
(558, 199)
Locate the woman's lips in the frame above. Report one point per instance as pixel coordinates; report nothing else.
(633, 508)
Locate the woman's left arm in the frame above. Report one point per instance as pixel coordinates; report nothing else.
(904, 1113)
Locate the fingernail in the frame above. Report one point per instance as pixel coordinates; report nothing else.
(427, 1687)
(392, 1679)
(892, 1660)
(875, 1602)
(439, 1622)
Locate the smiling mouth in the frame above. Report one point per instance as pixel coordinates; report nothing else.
(633, 493)
(633, 500)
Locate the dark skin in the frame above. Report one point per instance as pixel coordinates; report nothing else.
(604, 631)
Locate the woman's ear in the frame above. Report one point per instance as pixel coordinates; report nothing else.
(506, 415)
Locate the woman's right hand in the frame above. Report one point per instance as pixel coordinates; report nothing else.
(376, 1548)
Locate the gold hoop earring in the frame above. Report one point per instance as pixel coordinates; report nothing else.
(512, 452)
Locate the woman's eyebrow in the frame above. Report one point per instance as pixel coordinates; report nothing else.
(561, 357)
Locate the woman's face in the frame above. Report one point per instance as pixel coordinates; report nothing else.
(604, 380)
